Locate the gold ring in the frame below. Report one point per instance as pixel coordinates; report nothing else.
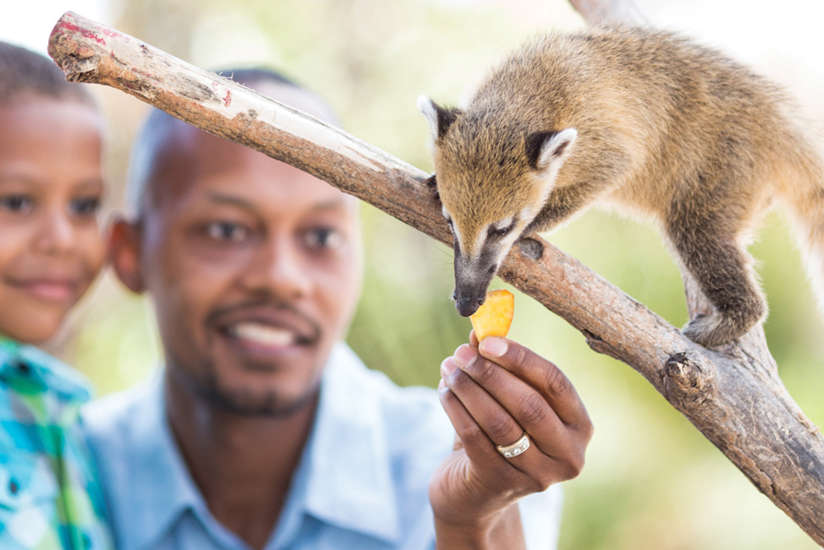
(517, 448)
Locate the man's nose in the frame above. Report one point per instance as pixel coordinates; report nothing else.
(56, 233)
(278, 269)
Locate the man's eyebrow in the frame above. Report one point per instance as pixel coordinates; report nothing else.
(240, 202)
(330, 204)
(222, 198)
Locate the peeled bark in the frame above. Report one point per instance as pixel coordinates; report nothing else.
(733, 395)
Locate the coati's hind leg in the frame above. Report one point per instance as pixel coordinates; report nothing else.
(709, 251)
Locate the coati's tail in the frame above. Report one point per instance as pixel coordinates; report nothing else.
(805, 197)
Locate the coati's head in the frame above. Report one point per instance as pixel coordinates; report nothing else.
(493, 178)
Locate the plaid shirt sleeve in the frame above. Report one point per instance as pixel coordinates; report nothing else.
(49, 494)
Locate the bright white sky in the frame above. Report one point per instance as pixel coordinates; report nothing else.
(29, 22)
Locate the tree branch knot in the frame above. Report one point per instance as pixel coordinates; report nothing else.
(686, 381)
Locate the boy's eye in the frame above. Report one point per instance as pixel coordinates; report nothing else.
(323, 237)
(85, 206)
(227, 231)
(16, 203)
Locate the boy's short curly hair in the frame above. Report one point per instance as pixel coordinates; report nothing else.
(23, 71)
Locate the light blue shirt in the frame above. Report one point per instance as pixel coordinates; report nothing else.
(362, 481)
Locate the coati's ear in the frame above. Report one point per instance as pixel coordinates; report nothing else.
(545, 148)
(439, 117)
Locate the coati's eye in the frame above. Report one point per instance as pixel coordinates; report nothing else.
(501, 229)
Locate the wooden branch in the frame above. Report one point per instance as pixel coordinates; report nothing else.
(733, 396)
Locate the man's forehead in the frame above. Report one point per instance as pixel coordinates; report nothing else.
(191, 163)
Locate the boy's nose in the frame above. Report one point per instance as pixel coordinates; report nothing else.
(56, 233)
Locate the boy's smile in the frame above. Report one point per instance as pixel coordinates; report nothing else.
(51, 186)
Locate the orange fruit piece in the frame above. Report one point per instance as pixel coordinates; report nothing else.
(494, 316)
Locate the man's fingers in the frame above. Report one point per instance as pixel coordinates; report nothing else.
(478, 447)
(529, 408)
(501, 428)
(541, 375)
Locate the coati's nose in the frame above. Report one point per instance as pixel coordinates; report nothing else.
(467, 305)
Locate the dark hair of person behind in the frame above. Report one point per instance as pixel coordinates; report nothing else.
(23, 71)
(258, 75)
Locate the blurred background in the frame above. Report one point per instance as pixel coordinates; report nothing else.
(651, 480)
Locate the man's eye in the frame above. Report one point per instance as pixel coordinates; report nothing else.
(85, 206)
(16, 203)
(323, 237)
(227, 231)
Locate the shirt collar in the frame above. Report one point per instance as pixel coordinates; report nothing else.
(343, 478)
(161, 487)
(349, 480)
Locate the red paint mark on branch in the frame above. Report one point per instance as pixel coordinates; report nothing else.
(228, 99)
(85, 33)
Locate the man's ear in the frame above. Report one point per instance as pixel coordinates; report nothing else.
(439, 118)
(544, 149)
(124, 254)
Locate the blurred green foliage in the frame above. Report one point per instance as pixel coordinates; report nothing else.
(651, 481)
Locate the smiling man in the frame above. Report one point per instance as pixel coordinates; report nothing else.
(264, 430)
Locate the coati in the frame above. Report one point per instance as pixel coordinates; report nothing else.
(645, 120)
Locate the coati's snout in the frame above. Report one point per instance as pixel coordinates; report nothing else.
(472, 277)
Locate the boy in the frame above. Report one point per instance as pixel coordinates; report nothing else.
(51, 249)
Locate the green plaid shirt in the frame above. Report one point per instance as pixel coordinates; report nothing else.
(49, 494)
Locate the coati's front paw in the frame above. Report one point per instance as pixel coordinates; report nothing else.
(530, 248)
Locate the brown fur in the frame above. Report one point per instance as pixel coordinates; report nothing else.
(667, 129)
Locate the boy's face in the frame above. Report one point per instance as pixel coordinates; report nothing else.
(254, 269)
(51, 185)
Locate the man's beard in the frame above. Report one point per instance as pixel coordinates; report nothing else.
(206, 384)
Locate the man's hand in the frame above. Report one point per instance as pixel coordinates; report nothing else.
(493, 393)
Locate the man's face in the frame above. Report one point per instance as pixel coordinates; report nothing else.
(51, 185)
(254, 268)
